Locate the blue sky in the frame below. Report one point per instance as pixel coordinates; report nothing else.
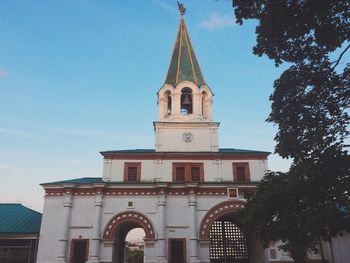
(79, 77)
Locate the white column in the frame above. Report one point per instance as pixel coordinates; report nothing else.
(197, 104)
(63, 242)
(162, 108)
(161, 240)
(175, 103)
(214, 139)
(95, 241)
(193, 225)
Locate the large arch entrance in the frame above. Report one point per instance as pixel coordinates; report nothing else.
(227, 242)
(118, 228)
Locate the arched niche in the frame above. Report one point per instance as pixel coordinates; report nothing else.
(165, 102)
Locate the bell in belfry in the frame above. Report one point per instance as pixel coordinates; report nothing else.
(187, 99)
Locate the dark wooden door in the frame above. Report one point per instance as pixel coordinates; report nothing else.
(177, 249)
(79, 251)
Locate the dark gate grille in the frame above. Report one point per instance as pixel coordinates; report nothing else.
(227, 243)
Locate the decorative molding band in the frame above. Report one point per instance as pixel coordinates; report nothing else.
(123, 191)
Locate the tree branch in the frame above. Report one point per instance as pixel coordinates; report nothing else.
(340, 57)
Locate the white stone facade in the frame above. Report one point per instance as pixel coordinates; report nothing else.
(178, 192)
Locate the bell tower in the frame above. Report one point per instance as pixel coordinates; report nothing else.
(185, 102)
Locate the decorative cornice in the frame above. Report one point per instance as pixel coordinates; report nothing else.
(151, 191)
(184, 156)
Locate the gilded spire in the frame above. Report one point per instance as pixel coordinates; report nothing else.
(183, 64)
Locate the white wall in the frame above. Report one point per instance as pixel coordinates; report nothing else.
(51, 230)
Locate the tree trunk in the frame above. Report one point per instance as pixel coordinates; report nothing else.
(298, 257)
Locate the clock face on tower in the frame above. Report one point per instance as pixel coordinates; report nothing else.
(187, 136)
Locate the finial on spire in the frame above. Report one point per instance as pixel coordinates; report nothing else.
(182, 9)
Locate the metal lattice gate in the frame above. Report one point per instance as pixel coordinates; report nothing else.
(227, 243)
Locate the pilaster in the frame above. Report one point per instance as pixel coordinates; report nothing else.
(63, 241)
(192, 203)
(94, 255)
(161, 240)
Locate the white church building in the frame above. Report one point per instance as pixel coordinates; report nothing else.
(184, 193)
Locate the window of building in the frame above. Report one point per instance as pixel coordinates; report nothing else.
(241, 172)
(132, 172)
(188, 172)
(180, 174)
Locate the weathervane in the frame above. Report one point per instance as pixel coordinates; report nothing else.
(182, 9)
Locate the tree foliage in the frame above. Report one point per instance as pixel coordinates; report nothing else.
(311, 107)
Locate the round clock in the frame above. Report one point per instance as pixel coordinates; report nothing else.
(187, 136)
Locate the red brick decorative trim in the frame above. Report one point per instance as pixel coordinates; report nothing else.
(215, 213)
(131, 191)
(126, 217)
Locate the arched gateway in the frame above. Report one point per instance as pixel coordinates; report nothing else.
(119, 226)
(227, 241)
(128, 218)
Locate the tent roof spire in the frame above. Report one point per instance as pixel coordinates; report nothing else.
(183, 64)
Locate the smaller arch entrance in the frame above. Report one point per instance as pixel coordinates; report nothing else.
(118, 228)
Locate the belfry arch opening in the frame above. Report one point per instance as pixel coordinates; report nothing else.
(228, 242)
(186, 102)
(168, 102)
(204, 109)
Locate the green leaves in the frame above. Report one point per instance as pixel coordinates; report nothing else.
(311, 107)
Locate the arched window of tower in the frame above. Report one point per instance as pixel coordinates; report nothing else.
(204, 97)
(169, 102)
(186, 101)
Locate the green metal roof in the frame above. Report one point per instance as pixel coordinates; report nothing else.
(184, 64)
(221, 151)
(83, 180)
(17, 219)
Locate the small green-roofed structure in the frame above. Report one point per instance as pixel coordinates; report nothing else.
(17, 219)
(19, 233)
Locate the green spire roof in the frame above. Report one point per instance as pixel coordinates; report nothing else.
(184, 64)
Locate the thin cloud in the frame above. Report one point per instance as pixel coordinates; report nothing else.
(102, 134)
(17, 133)
(165, 6)
(4, 73)
(216, 21)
